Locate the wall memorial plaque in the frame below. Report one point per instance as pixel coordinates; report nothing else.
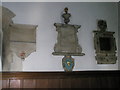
(105, 44)
(67, 40)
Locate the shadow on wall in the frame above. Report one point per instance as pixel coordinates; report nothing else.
(0, 36)
(0, 50)
(0, 58)
(0, 46)
(119, 35)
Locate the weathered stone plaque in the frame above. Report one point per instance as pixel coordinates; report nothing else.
(105, 44)
(67, 40)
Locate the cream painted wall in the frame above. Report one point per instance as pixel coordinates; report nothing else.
(46, 14)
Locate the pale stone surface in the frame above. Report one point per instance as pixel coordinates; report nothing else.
(67, 41)
(23, 39)
(19, 47)
(7, 16)
(19, 41)
(16, 64)
(23, 32)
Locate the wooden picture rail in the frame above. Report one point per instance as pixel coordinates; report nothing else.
(81, 79)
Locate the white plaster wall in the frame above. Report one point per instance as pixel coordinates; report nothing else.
(46, 14)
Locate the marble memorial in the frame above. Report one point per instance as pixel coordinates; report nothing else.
(67, 41)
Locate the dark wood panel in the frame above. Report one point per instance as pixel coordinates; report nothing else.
(94, 82)
(65, 83)
(59, 74)
(5, 83)
(53, 83)
(80, 82)
(99, 79)
(103, 81)
(29, 83)
(15, 83)
(41, 83)
(113, 82)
